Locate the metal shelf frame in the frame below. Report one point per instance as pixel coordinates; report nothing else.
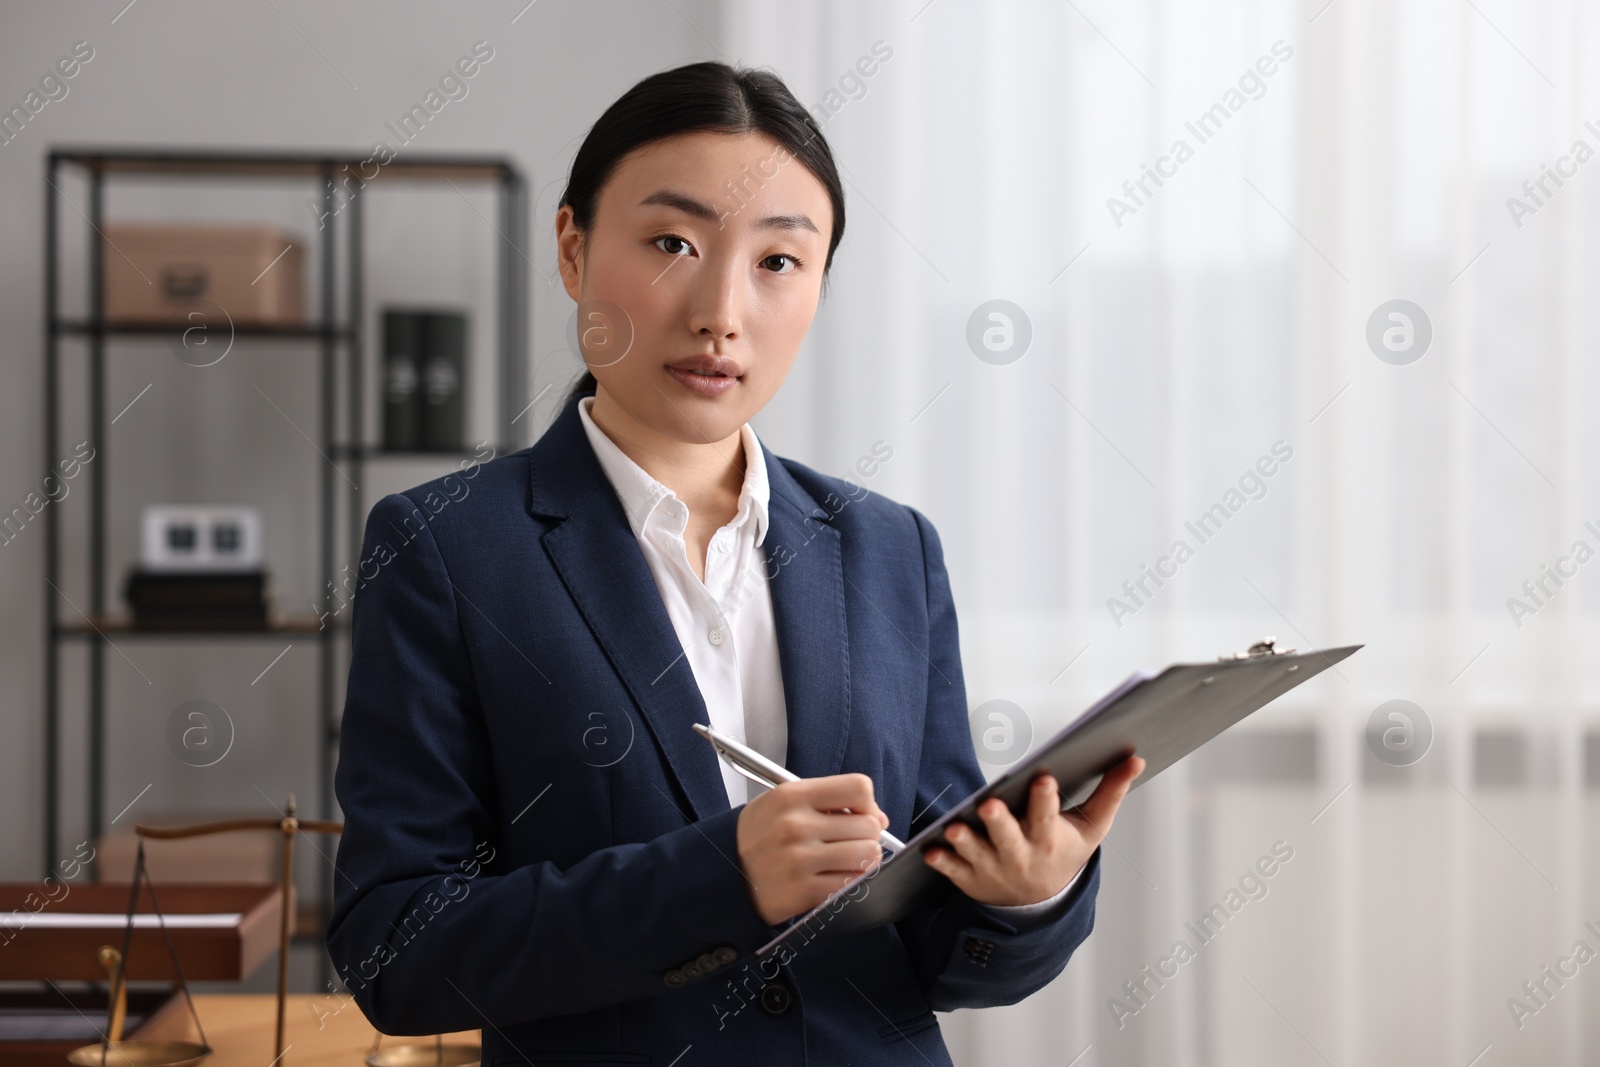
(341, 348)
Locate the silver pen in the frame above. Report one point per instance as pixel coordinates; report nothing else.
(759, 769)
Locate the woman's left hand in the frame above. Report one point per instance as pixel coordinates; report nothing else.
(1026, 862)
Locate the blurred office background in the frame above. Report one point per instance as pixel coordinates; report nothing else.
(1162, 345)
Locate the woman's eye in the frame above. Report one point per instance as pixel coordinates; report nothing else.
(793, 264)
(681, 244)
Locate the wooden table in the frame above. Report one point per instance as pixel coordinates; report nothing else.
(320, 1030)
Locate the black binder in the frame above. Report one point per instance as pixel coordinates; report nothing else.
(1161, 716)
(424, 380)
(402, 381)
(444, 368)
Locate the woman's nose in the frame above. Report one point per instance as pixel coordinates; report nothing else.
(718, 310)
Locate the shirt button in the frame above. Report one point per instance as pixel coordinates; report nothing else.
(717, 636)
(720, 544)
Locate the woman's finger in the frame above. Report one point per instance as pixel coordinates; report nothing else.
(847, 857)
(1044, 807)
(1005, 833)
(845, 827)
(1101, 807)
(970, 845)
(952, 866)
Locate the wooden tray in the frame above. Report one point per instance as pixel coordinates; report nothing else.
(238, 933)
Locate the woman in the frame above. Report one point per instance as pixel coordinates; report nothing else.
(536, 841)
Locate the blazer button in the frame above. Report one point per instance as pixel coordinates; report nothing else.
(675, 978)
(775, 998)
(707, 963)
(726, 954)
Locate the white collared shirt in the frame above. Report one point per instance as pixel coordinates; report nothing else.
(725, 622)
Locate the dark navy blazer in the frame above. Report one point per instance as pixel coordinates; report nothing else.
(536, 843)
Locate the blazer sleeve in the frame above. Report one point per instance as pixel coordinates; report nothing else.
(430, 931)
(967, 954)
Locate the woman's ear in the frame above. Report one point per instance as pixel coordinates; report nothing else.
(569, 252)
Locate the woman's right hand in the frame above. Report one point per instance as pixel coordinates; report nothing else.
(797, 844)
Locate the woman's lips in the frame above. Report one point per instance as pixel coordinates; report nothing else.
(704, 384)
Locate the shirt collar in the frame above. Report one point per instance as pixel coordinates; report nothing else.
(641, 494)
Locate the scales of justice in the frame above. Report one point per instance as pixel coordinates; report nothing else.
(113, 1051)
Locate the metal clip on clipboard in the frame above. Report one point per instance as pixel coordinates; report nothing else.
(1267, 646)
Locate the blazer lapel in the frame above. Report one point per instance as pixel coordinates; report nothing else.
(600, 563)
(805, 568)
(594, 551)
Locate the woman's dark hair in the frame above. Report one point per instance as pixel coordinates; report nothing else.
(699, 97)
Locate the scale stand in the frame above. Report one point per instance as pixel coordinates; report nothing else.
(435, 1055)
(139, 1053)
(289, 825)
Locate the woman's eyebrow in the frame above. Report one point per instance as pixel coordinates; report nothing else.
(690, 206)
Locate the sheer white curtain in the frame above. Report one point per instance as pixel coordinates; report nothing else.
(1336, 157)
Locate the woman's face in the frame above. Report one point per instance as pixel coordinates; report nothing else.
(705, 253)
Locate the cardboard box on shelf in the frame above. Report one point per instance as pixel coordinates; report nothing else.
(160, 273)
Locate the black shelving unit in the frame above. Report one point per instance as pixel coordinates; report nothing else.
(340, 346)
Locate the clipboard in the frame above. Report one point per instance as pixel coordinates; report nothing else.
(1162, 716)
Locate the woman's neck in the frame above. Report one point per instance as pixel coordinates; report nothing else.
(707, 476)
